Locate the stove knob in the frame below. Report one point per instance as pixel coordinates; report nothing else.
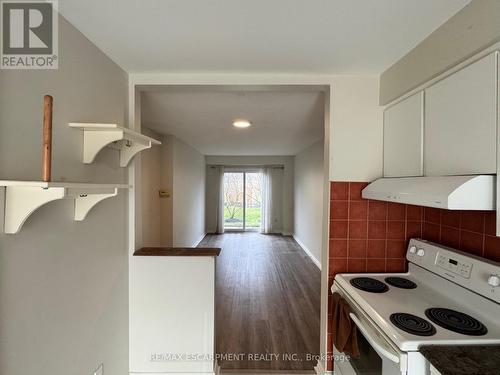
(413, 250)
(494, 280)
(420, 252)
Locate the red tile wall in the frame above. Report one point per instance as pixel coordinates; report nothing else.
(367, 235)
(469, 231)
(372, 236)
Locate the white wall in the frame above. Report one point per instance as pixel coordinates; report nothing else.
(156, 174)
(178, 220)
(356, 132)
(172, 310)
(151, 184)
(308, 200)
(188, 195)
(282, 183)
(167, 183)
(64, 284)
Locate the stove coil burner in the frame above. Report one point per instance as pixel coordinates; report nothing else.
(456, 321)
(413, 324)
(369, 285)
(400, 282)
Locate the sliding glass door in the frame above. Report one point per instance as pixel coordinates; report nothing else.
(233, 201)
(253, 200)
(242, 200)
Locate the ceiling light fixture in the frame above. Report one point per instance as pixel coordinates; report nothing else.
(241, 123)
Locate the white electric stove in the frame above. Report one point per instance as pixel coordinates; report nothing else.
(447, 297)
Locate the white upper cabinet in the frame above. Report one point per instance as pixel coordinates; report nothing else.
(403, 137)
(460, 121)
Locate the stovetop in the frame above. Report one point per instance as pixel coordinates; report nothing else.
(423, 308)
(380, 306)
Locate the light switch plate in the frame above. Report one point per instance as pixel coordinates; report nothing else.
(100, 370)
(164, 193)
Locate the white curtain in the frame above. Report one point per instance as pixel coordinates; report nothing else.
(267, 200)
(220, 201)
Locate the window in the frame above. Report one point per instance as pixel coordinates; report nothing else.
(242, 200)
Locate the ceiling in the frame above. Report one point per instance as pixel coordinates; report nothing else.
(284, 122)
(313, 36)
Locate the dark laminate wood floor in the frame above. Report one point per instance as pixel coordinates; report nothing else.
(267, 302)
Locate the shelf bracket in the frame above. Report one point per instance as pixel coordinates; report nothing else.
(22, 198)
(22, 201)
(130, 149)
(95, 141)
(127, 141)
(84, 203)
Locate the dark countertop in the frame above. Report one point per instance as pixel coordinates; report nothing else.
(464, 360)
(178, 251)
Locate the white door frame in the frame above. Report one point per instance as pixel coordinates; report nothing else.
(139, 81)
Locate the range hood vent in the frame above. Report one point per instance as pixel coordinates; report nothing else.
(450, 192)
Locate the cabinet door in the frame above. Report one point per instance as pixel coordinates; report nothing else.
(403, 137)
(460, 121)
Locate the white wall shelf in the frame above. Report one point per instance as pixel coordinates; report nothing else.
(98, 136)
(22, 198)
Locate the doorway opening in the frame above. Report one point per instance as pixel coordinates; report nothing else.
(262, 190)
(243, 201)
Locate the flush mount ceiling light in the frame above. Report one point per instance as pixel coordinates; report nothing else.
(241, 123)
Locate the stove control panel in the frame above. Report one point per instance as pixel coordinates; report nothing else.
(494, 280)
(454, 265)
(477, 274)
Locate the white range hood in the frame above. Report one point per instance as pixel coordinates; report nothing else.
(449, 192)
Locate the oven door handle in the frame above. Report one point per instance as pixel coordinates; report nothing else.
(378, 348)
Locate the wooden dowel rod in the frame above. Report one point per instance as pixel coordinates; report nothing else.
(47, 138)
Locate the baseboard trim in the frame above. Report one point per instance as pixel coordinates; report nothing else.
(200, 239)
(308, 252)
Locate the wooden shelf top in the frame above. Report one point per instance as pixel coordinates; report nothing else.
(178, 251)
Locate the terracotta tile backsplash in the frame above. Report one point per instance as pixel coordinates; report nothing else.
(372, 236)
(368, 235)
(469, 231)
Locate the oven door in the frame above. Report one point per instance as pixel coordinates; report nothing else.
(377, 355)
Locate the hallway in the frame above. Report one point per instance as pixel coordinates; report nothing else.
(267, 302)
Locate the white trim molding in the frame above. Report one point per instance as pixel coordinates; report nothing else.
(320, 370)
(217, 368)
(197, 242)
(307, 251)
